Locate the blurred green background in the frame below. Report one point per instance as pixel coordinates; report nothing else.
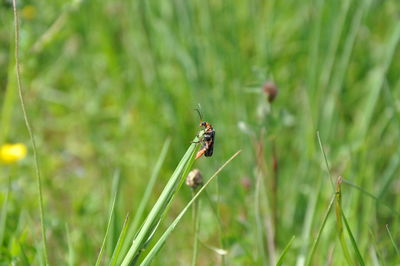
(107, 82)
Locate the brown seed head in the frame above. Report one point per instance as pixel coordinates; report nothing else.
(194, 178)
(271, 90)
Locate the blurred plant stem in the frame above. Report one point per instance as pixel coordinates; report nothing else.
(261, 190)
(9, 99)
(30, 131)
(196, 228)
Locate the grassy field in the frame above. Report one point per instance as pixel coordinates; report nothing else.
(110, 89)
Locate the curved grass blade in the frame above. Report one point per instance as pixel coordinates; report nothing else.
(353, 241)
(314, 246)
(340, 222)
(285, 250)
(121, 238)
(31, 134)
(145, 199)
(110, 216)
(393, 242)
(150, 256)
(377, 199)
(160, 206)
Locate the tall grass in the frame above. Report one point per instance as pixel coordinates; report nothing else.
(106, 83)
(30, 131)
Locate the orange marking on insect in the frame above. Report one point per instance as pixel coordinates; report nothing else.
(200, 152)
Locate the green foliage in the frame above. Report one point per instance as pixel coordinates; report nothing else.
(106, 83)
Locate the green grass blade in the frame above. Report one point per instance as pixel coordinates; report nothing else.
(343, 65)
(118, 247)
(393, 242)
(71, 254)
(159, 207)
(110, 216)
(369, 194)
(390, 174)
(153, 252)
(145, 198)
(339, 221)
(377, 80)
(353, 241)
(31, 134)
(149, 189)
(314, 246)
(285, 250)
(112, 235)
(326, 160)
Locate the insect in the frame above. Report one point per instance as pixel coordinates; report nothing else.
(207, 140)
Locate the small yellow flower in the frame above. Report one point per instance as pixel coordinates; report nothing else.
(10, 153)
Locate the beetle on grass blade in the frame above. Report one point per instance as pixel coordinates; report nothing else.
(207, 139)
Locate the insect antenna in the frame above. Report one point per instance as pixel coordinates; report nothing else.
(198, 110)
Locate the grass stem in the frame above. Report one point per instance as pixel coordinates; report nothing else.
(30, 131)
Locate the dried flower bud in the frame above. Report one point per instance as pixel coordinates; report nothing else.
(245, 182)
(194, 179)
(271, 90)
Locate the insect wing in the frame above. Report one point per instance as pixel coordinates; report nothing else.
(210, 150)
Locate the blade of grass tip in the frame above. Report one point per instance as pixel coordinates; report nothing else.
(110, 216)
(392, 240)
(353, 241)
(185, 173)
(121, 238)
(219, 251)
(340, 223)
(146, 197)
(152, 253)
(326, 160)
(71, 255)
(159, 207)
(285, 250)
(314, 246)
(30, 131)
